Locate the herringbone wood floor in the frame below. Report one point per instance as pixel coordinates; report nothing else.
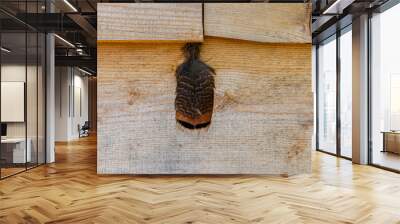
(70, 191)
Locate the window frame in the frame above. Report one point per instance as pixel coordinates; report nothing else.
(334, 37)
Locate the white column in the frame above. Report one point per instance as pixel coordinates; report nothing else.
(314, 90)
(50, 92)
(360, 90)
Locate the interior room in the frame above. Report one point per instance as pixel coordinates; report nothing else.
(71, 100)
(22, 104)
(200, 111)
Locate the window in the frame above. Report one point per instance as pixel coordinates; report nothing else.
(327, 96)
(346, 93)
(385, 89)
(334, 106)
(22, 77)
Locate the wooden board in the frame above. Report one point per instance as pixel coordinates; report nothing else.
(150, 22)
(262, 121)
(263, 22)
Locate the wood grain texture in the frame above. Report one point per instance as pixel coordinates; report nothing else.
(263, 110)
(262, 22)
(70, 191)
(150, 22)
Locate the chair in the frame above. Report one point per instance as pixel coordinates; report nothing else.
(84, 130)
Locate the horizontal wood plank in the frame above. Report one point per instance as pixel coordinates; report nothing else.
(121, 22)
(262, 119)
(262, 22)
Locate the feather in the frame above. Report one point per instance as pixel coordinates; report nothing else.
(194, 100)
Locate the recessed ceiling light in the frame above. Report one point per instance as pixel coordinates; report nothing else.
(337, 7)
(70, 5)
(84, 71)
(5, 50)
(65, 41)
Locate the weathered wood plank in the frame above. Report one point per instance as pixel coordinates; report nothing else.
(262, 120)
(150, 22)
(263, 22)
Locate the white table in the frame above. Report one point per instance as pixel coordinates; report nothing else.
(19, 153)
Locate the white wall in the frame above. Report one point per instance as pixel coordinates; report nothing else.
(70, 83)
(62, 81)
(33, 127)
(13, 72)
(16, 73)
(79, 117)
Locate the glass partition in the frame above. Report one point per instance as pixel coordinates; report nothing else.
(22, 88)
(41, 97)
(327, 96)
(31, 99)
(13, 94)
(385, 89)
(334, 94)
(346, 93)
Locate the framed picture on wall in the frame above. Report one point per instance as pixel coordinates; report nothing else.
(12, 101)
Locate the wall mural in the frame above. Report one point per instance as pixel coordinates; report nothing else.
(194, 100)
(213, 88)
